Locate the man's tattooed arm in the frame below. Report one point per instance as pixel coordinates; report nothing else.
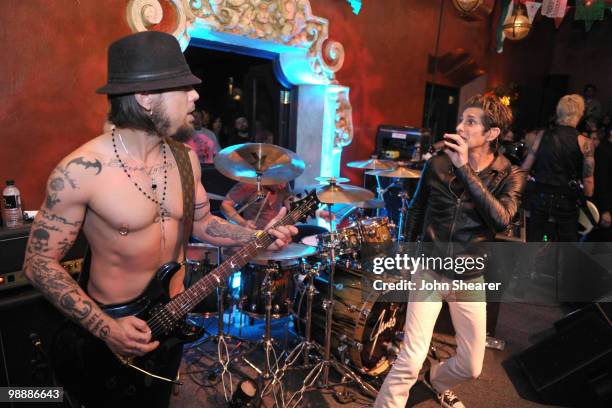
(51, 236)
(217, 231)
(588, 167)
(47, 244)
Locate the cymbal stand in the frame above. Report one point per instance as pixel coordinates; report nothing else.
(403, 195)
(270, 372)
(255, 197)
(220, 368)
(321, 369)
(306, 345)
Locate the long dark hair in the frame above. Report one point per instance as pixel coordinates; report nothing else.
(126, 112)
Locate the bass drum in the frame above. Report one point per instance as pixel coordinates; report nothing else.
(365, 326)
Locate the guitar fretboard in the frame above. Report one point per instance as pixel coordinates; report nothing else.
(180, 305)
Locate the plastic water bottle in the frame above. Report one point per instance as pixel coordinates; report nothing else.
(11, 206)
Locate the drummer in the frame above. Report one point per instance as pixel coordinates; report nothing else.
(256, 215)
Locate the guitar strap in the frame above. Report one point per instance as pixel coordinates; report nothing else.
(183, 162)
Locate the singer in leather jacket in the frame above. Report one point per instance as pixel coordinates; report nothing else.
(466, 194)
(459, 205)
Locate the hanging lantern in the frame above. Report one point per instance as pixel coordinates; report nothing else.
(517, 26)
(466, 6)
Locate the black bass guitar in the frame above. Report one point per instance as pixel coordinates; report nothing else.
(85, 365)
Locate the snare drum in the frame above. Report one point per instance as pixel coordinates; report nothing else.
(252, 287)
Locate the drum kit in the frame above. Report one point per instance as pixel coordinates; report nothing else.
(318, 282)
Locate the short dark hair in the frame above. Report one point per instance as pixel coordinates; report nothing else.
(592, 86)
(495, 114)
(126, 112)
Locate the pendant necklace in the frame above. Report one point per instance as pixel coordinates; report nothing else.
(160, 203)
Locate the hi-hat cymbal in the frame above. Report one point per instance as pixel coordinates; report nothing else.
(342, 193)
(373, 164)
(291, 251)
(213, 196)
(373, 203)
(400, 172)
(246, 162)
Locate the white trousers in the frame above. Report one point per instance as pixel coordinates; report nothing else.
(468, 312)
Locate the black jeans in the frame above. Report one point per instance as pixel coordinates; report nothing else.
(554, 215)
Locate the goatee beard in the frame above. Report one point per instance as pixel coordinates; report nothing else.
(183, 133)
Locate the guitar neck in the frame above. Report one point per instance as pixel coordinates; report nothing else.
(186, 301)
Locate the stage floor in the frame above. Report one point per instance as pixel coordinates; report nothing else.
(501, 384)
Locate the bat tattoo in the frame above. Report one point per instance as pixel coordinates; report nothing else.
(87, 164)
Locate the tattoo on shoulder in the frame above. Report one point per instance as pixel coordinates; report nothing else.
(86, 164)
(58, 180)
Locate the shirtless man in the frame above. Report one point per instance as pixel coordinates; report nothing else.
(124, 189)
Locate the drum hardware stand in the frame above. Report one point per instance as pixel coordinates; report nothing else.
(255, 197)
(306, 345)
(321, 369)
(221, 367)
(270, 372)
(401, 225)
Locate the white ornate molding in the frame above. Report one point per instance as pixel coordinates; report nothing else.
(307, 56)
(286, 22)
(343, 121)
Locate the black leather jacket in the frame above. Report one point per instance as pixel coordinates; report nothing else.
(458, 205)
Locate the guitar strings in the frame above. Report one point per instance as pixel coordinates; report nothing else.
(167, 316)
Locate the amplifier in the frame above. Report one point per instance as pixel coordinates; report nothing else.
(399, 142)
(12, 253)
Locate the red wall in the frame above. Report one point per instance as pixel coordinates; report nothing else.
(54, 56)
(53, 59)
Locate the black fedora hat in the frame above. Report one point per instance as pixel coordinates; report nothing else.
(146, 61)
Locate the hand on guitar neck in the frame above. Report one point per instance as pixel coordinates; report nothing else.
(282, 234)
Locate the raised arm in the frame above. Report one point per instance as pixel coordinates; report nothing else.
(52, 234)
(216, 230)
(588, 165)
(499, 209)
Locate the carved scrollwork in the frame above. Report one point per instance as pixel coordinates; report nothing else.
(142, 14)
(343, 120)
(288, 22)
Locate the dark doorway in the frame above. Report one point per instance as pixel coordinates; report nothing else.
(238, 85)
(440, 115)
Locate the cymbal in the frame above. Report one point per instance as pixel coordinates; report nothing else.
(342, 193)
(400, 172)
(373, 164)
(291, 251)
(245, 162)
(213, 196)
(373, 203)
(328, 179)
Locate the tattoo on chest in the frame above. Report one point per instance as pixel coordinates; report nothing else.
(156, 170)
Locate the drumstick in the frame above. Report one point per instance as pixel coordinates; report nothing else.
(261, 208)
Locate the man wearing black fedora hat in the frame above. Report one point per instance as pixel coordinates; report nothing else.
(136, 194)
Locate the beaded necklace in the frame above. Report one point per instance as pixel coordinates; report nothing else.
(160, 203)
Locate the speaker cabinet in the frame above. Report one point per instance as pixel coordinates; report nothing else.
(24, 314)
(574, 366)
